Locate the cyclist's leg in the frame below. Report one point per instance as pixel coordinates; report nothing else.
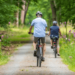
(44, 49)
(58, 48)
(51, 42)
(44, 45)
(34, 42)
(34, 45)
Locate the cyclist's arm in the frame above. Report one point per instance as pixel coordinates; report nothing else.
(46, 29)
(30, 28)
(32, 24)
(60, 32)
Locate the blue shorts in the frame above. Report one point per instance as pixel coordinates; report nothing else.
(56, 37)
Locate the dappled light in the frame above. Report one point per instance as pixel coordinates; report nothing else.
(19, 19)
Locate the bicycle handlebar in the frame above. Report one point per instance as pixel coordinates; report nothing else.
(33, 33)
(30, 33)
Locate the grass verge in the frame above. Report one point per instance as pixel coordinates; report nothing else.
(3, 59)
(15, 35)
(67, 49)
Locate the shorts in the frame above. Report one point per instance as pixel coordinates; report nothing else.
(57, 42)
(42, 39)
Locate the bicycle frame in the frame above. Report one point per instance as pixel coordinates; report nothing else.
(39, 45)
(39, 52)
(54, 41)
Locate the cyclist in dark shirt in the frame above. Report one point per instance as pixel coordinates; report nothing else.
(55, 31)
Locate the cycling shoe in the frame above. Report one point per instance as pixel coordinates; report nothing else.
(51, 47)
(58, 54)
(43, 59)
(35, 53)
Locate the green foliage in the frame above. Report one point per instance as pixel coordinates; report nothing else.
(67, 46)
(67, 53)
(3, 59)
(6, 42)
(65, 10)
(16, 35)
(7, 10)
(44, 7)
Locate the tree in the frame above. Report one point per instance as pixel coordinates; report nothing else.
(23, 12)
(53, 7)
(8, 7)
(44, 7)
(27, 3)
(19, 4)
(26, 9)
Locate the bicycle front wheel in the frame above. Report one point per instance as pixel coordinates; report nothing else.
(55, 53)
(39, 62)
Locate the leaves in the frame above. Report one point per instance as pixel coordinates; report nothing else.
(66, 10)
(7, 9)
(44, 7)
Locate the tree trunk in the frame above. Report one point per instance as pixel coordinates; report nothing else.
(17, 18)
(53, 9)
(49, 21)
(26, 9)
(22, 13)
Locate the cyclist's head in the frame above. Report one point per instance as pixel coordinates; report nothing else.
(54, 22)
(39, 14)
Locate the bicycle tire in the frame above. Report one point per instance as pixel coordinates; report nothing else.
(41, 55)
(38, 58)
(37, 62)
(55, 53)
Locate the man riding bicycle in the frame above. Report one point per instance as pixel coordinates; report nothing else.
(39, 31)
(54, 32)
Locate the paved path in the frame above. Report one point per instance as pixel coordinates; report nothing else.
(23, 63)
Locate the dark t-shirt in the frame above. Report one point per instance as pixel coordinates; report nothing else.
(54, 30)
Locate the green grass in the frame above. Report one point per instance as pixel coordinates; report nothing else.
(67, 49)
(19, 34)
(63, 29)
(4, 59)
(2, 29)
(14, 35)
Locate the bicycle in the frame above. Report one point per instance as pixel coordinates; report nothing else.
(54, 41)
(39, 52)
